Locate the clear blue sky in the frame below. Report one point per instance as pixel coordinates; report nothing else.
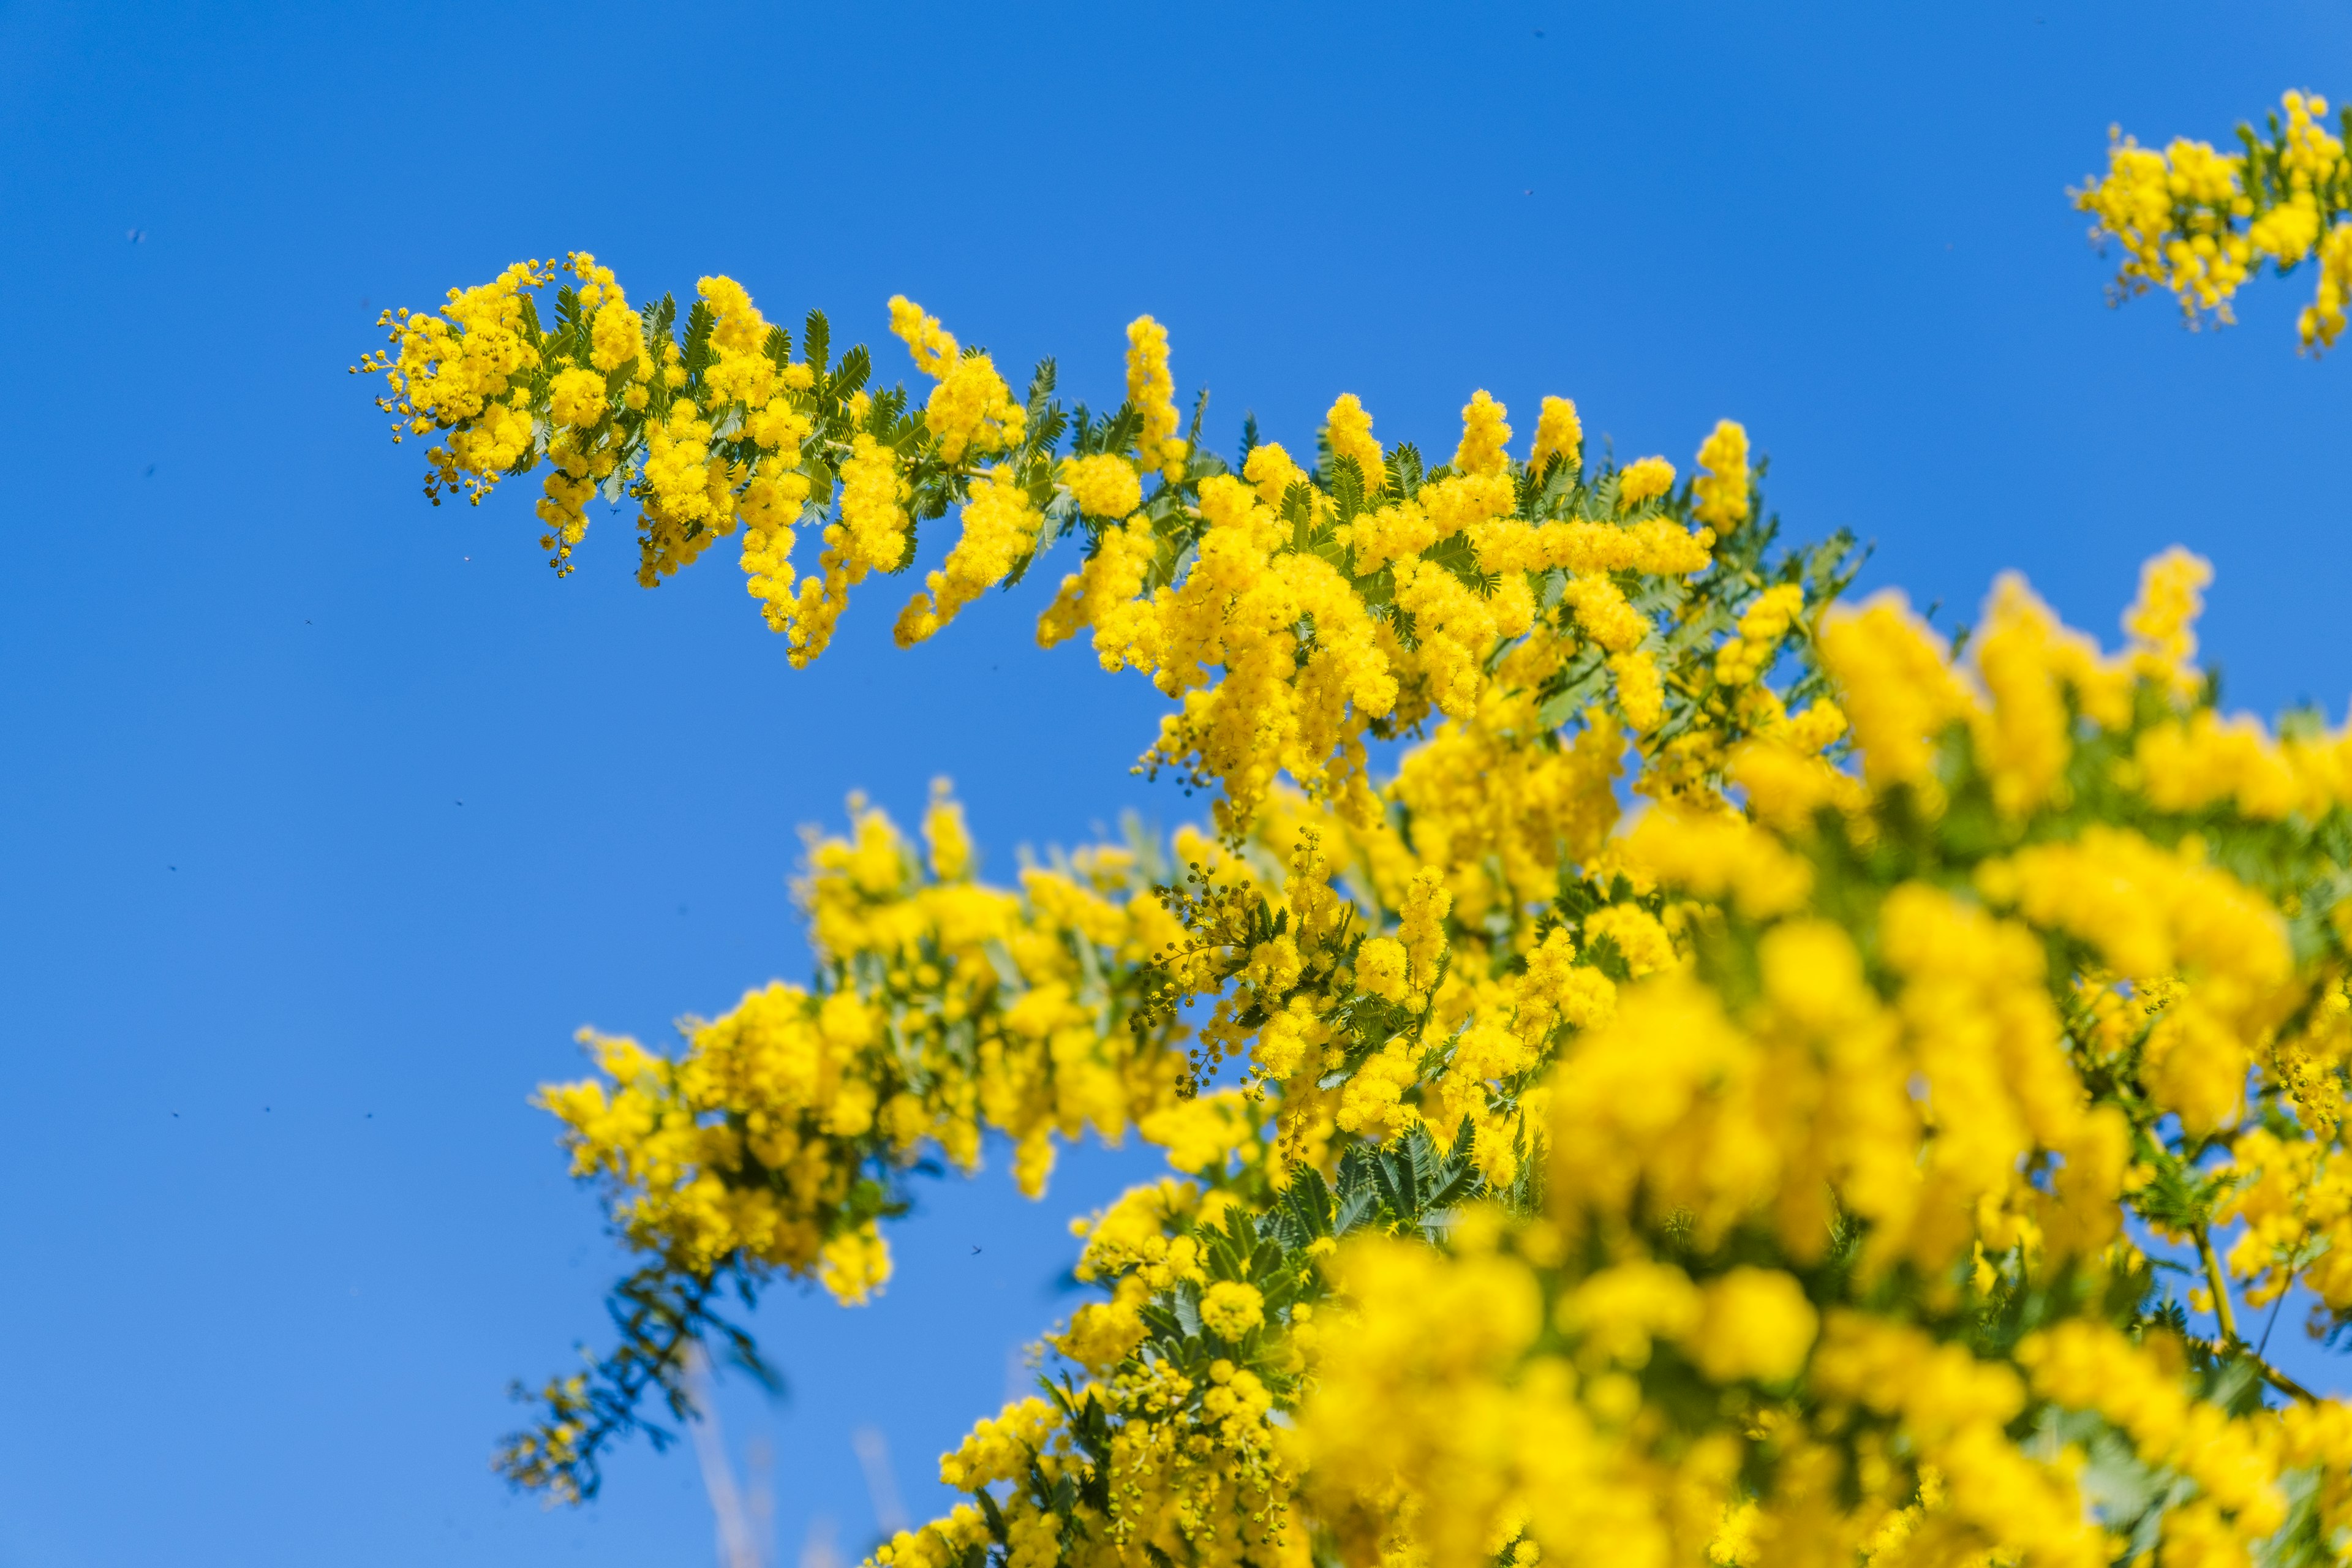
(278, 1223)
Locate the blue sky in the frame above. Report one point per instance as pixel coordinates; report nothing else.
(279, 1224)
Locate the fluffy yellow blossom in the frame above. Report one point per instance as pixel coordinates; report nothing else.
(1641, 692)
(1232, 1309)
(2162, 620)
(873, 513)
(1643, 479)
(1153, 393)
(970, 410)
(1721, 487)
(1754, 1323)
(855, 1264)
(1348, 430)
(1483, 437)
(1558, 434)
(1000, 529)
(1896, 687)
(1103, 485)
(933, 346)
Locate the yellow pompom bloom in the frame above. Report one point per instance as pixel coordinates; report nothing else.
(1720, 492)
(933, 346)
(872, 511)
(1423, 928)
(1152, 391)
(1754, 1323)
(1483, 437)
(576, 398)
(1636, 934)
(2322, 320)
(1381, 967)
(1558, 434)
(999, 531)
(970, 410)
(1103, 485)
(1348, 430)
(856, 1265)
(1232, 1309)
(1643, 479)
(1272, 472)
(619, 337)
(1640, 694)
(1899, 691)
(2162, 621)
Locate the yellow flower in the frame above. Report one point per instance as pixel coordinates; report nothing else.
(1754, 1323)
(1153, 393)
(1348, 431)
(856, 1265)
(1784, 1081)
(1483, 437)
(1643, 479)
(2162, 621)
(1558, 434)
(1103, 485)
(999, 531)
(1232, 1309)
(1721, 487)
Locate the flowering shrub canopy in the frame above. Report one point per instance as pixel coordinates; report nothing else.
(2201, 222)
(1760, 1081)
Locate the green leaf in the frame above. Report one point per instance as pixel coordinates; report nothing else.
(699, 321)
(820, 477)
(1455, 554)
(1404, 471)
(1345, 479)
(850, 378)
(1188, 1309)
(816, 341)
(1306, 1203)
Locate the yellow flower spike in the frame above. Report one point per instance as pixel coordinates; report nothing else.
(1558, 434)
(857, 1265)
(1483, 437)
(873, 510)
(1000, 529)
(1643, 479)
(1896, 687)
(1721, 489)
(1348, 430)
(932, 345)
(1272, 471)
(1152, 391)
(2162, 621)
(970, 410)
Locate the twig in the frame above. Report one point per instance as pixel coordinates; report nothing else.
(2224, 1314)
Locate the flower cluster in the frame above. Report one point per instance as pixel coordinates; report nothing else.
(944, 1010)
(2201, 222)
(1294, 617)
(1724, 1093)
